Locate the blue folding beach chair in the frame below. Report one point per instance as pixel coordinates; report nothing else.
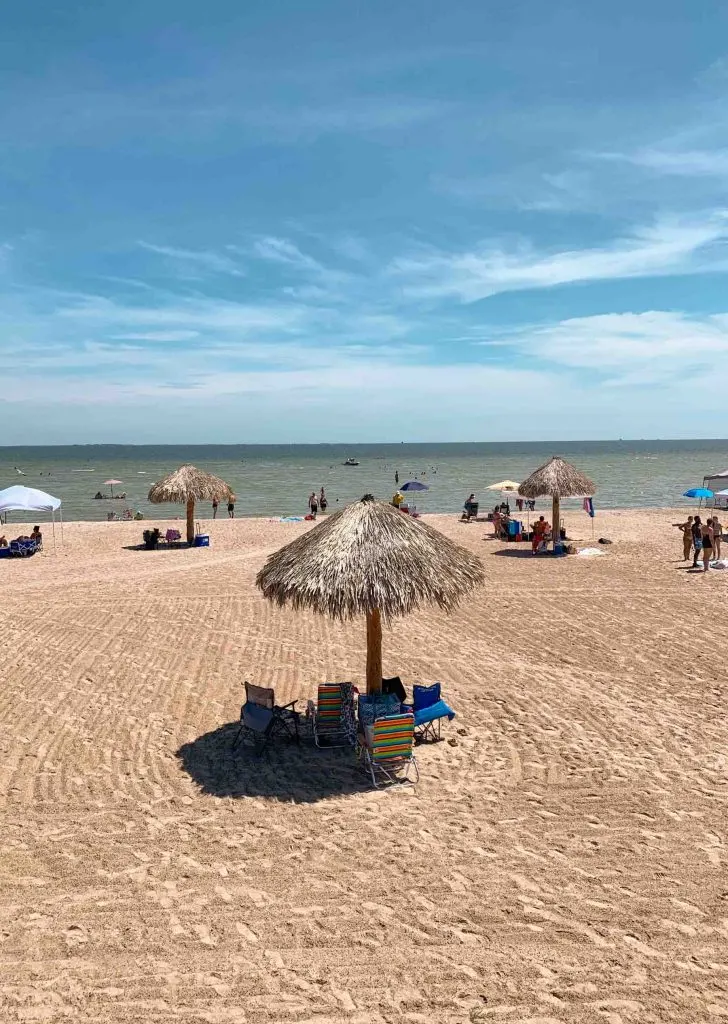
(429, 709)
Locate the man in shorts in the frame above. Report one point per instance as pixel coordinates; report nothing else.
(697, 533)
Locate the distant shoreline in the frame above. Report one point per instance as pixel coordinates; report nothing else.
(572, 509)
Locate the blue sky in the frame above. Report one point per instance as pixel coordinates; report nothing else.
(331, 221)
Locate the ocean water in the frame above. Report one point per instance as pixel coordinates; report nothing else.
(275, 480)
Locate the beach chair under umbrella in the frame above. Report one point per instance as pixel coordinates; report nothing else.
(556, 479)
(369, 560)
(186, 486)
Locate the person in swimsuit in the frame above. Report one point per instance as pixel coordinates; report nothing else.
(540, 530)
(215, 503)
(687, 531)
(231, 507)
(313, 504)
(717, 536)
(707, 538)
(697, 533)
(322, 500)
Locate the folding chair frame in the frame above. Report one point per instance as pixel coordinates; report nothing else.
(429, 731)
(283, 723)
(391, 771)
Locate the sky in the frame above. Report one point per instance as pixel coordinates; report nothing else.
(277, 222)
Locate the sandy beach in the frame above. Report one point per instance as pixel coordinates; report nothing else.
(563, 857)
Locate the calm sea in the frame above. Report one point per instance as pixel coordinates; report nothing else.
(275, 480)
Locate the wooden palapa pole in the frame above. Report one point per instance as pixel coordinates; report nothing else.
(374, 651)
(556, 520)
(190, 520)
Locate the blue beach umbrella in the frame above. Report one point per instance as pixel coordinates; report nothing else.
(698, 492)
(414, 485)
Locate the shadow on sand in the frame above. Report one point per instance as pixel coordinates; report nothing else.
(285, 771)
(179, 546)
(520, 553)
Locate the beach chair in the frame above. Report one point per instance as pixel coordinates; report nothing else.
(264, 720)
(372, 706)
(429, 709)
(172, 537)
(23, 548)
(388, 750)
(332, 715)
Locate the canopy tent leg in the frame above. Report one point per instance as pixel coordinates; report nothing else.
(374, 651)
(60, 513)
(53, 520)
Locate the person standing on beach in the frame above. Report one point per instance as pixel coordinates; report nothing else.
(231, 507)
(687, 531)
(313, 504)
(215, 503)
(697, 533)
(322, 500)
(717, 535)
(707, 539)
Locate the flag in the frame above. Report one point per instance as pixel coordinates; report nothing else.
(589, 507)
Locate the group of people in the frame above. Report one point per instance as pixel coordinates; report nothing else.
(230, 507)
(36, 536)
(316, 502)
(702, 539)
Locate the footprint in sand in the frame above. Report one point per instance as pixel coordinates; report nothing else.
(75, 935)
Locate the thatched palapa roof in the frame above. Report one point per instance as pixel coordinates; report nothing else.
(369, 556)
(189, 484)
(557, 479)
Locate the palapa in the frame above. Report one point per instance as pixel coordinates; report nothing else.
(185, 486)
(370, 559)
(557, 479)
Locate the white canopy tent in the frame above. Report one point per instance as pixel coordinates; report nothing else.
(27, 499)
(715, 482)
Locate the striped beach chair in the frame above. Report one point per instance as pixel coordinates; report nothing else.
(332, 715)
(388, 753)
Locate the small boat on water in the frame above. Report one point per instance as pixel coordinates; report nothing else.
(350, 462)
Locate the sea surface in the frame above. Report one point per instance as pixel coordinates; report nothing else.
(276, 480)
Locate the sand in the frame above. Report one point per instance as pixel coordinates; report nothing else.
(562, 859)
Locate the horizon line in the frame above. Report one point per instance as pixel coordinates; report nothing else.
(354, 444)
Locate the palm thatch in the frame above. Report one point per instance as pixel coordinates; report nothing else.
(369, 555)
(370, 559)
(187, 485)
(556, 479)
(188, 482)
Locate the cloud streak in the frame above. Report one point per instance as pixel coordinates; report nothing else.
(211, 262)
(668, 247)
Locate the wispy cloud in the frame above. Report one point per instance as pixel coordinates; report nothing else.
(687, 163)
(197, 259)
(157, 336)
(653, 348)
(282, 250)
(197, 314)
(666, 248)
